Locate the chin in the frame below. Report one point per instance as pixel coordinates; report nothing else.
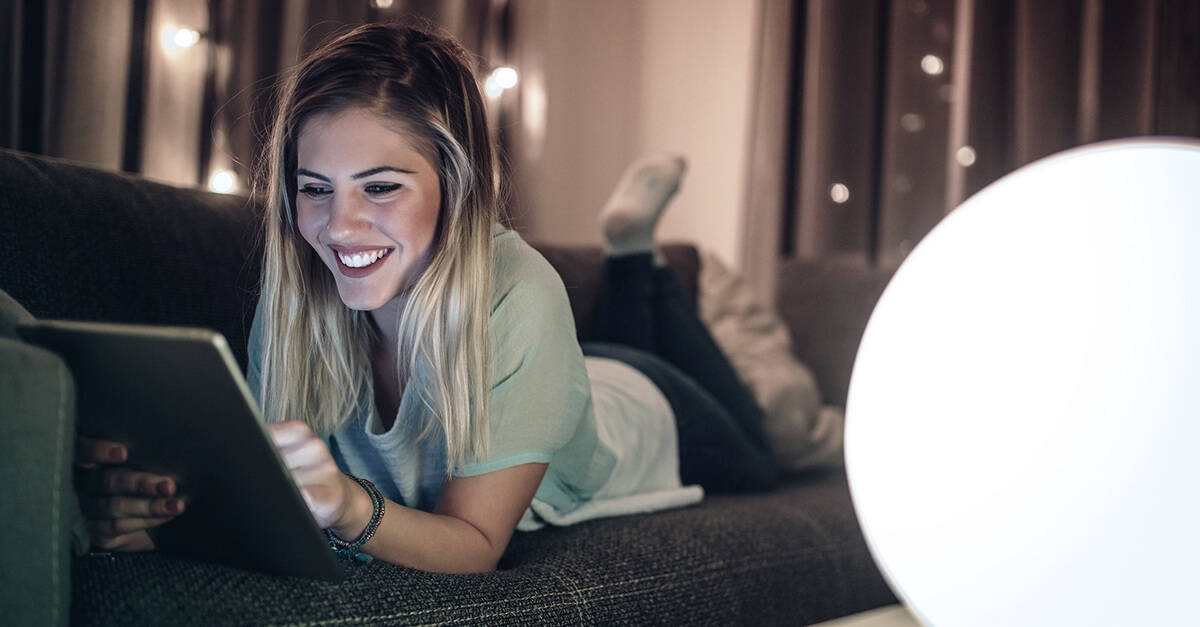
(359, 302)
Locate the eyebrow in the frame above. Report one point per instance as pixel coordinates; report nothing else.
(360, 175)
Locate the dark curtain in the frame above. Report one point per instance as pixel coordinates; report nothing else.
(95, 82)
(875, 118)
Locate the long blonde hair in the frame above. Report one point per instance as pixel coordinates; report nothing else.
(316, 357)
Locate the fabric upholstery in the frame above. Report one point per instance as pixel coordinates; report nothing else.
(579, 268)
(11, 314)
(826, 305)
(37, 422)
(791, 557)
(82, 243)
(802, 432)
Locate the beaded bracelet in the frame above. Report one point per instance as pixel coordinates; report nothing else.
(350, 549)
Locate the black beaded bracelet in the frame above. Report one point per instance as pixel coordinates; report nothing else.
(350, 549)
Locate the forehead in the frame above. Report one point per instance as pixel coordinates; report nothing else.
(355, 135)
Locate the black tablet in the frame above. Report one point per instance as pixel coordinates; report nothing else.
(176, 397)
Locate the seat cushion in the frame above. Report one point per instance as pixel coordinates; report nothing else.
(794, 556)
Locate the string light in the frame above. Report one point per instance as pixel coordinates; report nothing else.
(501, 78)
(839, 193)
(179, 38)
(932, 64)
(222, 181)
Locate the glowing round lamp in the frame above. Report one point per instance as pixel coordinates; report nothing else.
(1023, 422)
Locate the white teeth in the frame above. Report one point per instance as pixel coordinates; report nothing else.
(359, 260)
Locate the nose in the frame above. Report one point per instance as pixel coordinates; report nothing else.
(348, 217)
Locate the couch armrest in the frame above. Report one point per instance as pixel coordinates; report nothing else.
(37, 426)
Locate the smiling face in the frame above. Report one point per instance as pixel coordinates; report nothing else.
(367, 202)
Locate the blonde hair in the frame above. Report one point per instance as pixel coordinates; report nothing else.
(316, 357)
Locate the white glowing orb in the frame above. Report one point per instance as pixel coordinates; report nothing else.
(1023, 420)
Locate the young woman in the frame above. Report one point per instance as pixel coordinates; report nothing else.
(418, 363)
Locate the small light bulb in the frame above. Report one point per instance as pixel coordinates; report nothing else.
(839, 193)
(180, 37)
(965, 156)
(501, 78)
(932, 64)
(222, 181)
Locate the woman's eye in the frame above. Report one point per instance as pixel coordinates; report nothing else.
(316, 192)
(381, 189)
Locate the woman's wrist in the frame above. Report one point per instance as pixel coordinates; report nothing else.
(358, 512)
(352, 548)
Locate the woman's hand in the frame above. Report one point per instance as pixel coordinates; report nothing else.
(119, 503)
(467, 533)
(336, 501)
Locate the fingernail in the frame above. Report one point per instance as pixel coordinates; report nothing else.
(116, 453)
(175, 506)
(163, 488)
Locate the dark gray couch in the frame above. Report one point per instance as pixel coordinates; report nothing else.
(80, 243)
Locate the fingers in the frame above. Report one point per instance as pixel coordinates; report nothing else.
(120, 503)
(308, 460)
(289, 433)
(118, 507)
(90, 452)
(114, 533)
(304, 454)
(122, 481)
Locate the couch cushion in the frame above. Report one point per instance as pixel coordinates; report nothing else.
(826, 304)
(86, 244)
(792, 557)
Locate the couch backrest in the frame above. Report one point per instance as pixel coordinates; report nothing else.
(82, 243)
(87, 244)
(826, 304)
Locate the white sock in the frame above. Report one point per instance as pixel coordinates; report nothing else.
(632, 211)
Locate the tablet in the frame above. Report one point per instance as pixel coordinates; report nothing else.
(177, 398)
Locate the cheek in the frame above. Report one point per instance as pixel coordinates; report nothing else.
(310, 221)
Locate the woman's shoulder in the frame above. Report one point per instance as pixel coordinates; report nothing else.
(518, 266)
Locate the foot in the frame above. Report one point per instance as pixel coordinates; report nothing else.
(631, 213)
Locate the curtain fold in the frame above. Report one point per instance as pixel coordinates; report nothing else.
(907, 107)
(101, 82)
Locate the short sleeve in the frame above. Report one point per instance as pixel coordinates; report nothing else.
(540, 392)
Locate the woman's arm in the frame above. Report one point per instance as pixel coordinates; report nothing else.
(467, 532)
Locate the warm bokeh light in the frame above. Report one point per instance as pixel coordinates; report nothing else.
(932, 64)
(965, 156)
(501, 78)
(180, 37)
(912, 122)
(839, 193)
(222, 181)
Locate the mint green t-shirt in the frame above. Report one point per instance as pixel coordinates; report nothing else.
(540, 406)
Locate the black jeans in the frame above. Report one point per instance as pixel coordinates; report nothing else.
(647, 322)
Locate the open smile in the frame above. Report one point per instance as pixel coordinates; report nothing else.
(360, 264)
(362, 259)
